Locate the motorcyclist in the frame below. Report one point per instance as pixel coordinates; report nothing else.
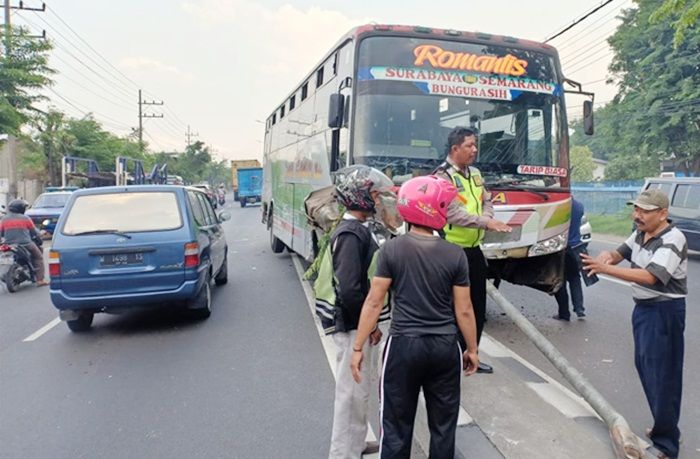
(18, 229)
(221, 192)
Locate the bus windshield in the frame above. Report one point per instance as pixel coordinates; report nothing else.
(411, 92)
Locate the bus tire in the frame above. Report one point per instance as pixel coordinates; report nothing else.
(276, 245)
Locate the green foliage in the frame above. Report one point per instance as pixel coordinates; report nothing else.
(686, 13)
(619, 224)
(23, 71)
(89, 140)
(659, 99)
(656, 114)
(582, 163)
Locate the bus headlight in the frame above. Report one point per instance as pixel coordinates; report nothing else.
(551, 245)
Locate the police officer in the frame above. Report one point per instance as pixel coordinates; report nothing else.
(469, 216)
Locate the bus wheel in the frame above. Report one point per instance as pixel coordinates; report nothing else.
(276, 245)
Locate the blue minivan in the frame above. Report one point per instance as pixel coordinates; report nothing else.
(116, 249)
(46, 210)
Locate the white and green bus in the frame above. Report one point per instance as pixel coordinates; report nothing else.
(387, 96)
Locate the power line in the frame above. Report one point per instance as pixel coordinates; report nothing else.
(578, 21)
(572, 40)
(85, 111)
(53, 12)
(601, 39)
(90, 68)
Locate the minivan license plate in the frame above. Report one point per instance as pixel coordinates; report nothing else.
(121, 259)
(7, 259)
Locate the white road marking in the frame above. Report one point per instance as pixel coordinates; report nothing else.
(495, 348)
(326, 340)
(42, 330)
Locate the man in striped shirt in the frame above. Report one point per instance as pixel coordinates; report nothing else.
(658, 253)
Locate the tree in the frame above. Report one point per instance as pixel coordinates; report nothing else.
(23, 71)
(687, 13)
(192, 164)
(55, 140)
(658, 105)
(582, 163)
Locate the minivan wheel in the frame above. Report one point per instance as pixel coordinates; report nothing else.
(82, 323)
(222, 276)
(200, 305)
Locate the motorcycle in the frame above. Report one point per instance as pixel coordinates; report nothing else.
(16, 262)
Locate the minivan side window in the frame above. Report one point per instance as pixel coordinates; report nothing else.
(665, 187)
(687, 196)
(209, 215)
(196, 208)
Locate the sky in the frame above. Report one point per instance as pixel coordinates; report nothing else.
(222, 66)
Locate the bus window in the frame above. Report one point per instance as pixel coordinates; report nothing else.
(335, 64)
(274, 118)
(305, 91)
(319, 77)
(292, 102)
(282, 112)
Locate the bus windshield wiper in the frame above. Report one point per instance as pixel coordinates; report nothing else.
(103, 231)
(513, 187)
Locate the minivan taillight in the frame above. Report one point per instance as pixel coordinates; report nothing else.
(191, 255)
(54, 264)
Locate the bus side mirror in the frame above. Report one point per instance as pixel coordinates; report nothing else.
(588, 117)
(335, 111)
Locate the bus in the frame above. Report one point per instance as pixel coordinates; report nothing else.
(387, 96)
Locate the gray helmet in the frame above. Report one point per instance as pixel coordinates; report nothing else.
(354, 184)
(18, 206)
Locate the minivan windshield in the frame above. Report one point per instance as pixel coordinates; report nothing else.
(123, 212)
(51, 200)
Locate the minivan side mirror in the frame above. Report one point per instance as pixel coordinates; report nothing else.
(588, 128)
(336, 105)
(224, 216)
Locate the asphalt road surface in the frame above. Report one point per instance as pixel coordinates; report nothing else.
(601, 346)
(253, 380)
(156, 384)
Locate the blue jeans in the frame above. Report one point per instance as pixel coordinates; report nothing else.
(658, 328)
(572, 276)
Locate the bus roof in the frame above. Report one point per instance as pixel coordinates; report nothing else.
(398, 30)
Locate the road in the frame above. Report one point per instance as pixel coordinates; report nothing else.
(253, 380)
(601, 346)
(155, 384)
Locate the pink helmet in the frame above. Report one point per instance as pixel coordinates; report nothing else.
(423, 201)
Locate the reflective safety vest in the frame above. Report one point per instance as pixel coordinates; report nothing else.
(471, 194)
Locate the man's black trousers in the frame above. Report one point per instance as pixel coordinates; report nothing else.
(478, 271)
(430, 362)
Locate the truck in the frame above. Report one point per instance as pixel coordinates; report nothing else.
(249, 185)
(240, 164)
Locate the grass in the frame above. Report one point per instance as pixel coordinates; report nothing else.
(619, 224)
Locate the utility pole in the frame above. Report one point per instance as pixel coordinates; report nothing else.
(189, 134)
(11, 141)
(145, 115)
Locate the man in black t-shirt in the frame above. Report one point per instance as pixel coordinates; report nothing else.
(429, 281)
